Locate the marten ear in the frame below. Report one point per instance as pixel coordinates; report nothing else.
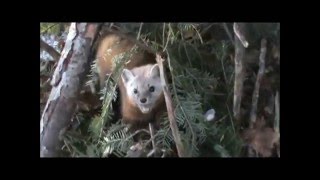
(126, 75)
(154, 71)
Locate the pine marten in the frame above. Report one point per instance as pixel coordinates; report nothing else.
(141, 95)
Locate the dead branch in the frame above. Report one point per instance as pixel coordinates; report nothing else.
(255, 95)
(137, 151)
(228, 32)
(139, 33)
(238, 29)
(55, 54)
(151, 129)
(277, 122)
(239, 76)
(173, 123)
(277, 114)
(67, 80)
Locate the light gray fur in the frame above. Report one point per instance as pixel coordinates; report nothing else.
(142, 78)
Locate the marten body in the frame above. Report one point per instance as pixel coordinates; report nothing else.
(141, 95)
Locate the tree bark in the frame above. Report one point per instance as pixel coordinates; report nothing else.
(55, 54)
(67, 81)
(255, 95)
(239, 71)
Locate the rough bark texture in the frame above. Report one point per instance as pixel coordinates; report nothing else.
(55, 54)
(66, 83)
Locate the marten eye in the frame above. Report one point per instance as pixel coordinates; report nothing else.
(135, 91)
(151, 89)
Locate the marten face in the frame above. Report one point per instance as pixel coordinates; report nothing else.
(143, 86)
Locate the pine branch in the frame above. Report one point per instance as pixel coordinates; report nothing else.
(44, 31)
(173, 123)
(255, 95)
(110, 90)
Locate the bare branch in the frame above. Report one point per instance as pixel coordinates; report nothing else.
(139, 33)
(173, 123)
(151, 129)
(55, 54)
(277, 122)
(228, 32)
(238, 29)
(197, 33)
(239, 76)
(255, 95)
(277, 114)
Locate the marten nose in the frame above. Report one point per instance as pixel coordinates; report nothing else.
(143, 100)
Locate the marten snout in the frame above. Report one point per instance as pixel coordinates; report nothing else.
(143, 100)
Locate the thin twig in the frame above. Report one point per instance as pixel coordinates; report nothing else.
(207, 26)
(151, 129)
(141, 24)
(164, 27)
(173, 123)
(66, 145)
(238, 30)
(169, 32)
(153, 151)
(197, 33)
(48, 28)
(277, 114)
(277, 121)
(185, 49)
(228, 32)
(137, 132)
(49, 49)
(224, 72)
(234, 130)
(255, 95)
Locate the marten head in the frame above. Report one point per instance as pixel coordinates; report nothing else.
(143, 86)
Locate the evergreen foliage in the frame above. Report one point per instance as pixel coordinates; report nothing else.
(198, 82)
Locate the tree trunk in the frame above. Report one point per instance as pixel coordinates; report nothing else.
(66, 83)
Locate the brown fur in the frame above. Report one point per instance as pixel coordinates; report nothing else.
(130, 113)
